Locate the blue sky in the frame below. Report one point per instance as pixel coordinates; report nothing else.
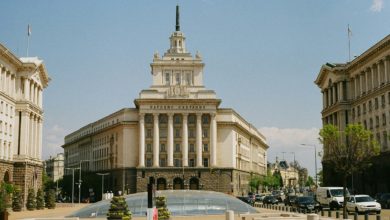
(261, 57)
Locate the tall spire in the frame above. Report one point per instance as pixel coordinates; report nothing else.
(177, 18)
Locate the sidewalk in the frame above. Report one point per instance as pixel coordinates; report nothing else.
(61, 210)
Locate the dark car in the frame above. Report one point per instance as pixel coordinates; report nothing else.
(306, 203)
(270, 200)
(246, 199)
(289, 200)
(384, 200)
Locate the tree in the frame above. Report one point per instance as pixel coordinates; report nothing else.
(321, 177)
(5, 192)
(50, 199)
(31, 203)
(17, 200)
(348, 151)
(40, 199)
(310, 181)
(254, 183)
(119, 209)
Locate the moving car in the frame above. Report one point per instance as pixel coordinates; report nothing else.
(289, 200)
(246, 199)
(384, 200)
(270, 200)
(306, 203)
(332, 197)
(362, 203)
(259, 197)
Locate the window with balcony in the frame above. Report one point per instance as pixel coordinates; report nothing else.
(177, 147)
(206, 162)
(205, 147)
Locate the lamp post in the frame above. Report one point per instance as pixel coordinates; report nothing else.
(71, 168)
(102, 174)
(80, 181)
(315, 159)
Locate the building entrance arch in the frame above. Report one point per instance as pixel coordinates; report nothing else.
(161, 184)
(178, 183)
(194, 183)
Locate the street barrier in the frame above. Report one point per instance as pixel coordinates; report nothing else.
(355, 216)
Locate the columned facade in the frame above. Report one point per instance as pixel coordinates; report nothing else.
(22, 81)
(182, 138)
(363, 86)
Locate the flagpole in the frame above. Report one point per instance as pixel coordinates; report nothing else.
(28, 38)
(349, 44)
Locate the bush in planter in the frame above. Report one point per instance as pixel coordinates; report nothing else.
(50, 199)
(17, 200)
(161, 205)
(5, 192)
(40, 200)
(31, 203)
(119, 209)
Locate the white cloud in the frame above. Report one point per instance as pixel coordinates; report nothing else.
(290, 140)
(53, 138)
(377, 5)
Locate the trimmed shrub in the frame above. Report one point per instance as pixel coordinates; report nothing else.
(31, 203)
(50, 199)
(119, 209)
(40, 199)
(161, 205)
(17, 200)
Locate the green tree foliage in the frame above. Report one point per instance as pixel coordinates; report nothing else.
(40, 199)
(255, 182)
(17, 200)
(5, 191)
(348, 151)
(31, 202)
(310, 181)
(50, 199)
(320, 177)
(119, 209)
(272, 180)
(161, 205)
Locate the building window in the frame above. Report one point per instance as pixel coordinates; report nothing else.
(385, 137)
(192, 163)
(162, 162)
(148, 133)
(205, 133)
(205, 147)
(383, 101)
(148, 162)
(192, 148)
(383, 119)
(376, 103)
(365, 124)
(206, 162)
(353, 112)
(177, 163)
(163, 119)
(205, 119)
(177, 147)
(148, 147)
(148, 119)
(177, 119)
(177, 133)
(191, 119)
(358, 110)
(371, 123)
(189, 78)
(162, 148)
(378, 137)
(191, 133)
(364, 108)
(376, 121)
(370, 106)
(178, 80)
(167, 80)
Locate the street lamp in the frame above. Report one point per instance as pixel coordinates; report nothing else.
(79, 183)
(72, 180)
(315, 159)
(102, 174)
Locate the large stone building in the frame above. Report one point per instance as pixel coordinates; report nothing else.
(22, 81)
(54, 167)
(359, 92)
(289, 174)
(177, 135)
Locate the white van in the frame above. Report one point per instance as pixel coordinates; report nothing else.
(331, 197)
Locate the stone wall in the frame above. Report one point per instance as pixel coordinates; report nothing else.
(27, 175)
(6, 167)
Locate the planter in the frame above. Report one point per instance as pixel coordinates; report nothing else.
(4, 215)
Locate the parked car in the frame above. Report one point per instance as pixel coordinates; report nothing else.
(259, 197)
(246, 199)
(384, 200)
(306, 203)
(289, 200)
(362, 203)
(270, 200)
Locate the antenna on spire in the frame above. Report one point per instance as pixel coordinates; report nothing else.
(177, 18)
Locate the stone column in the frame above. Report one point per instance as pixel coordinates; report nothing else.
(385, 67)
(185, 140)
(323, 100)
(170, 139)
(26, 88)
(355, 84)
(156, 140)
(199, 140)
(40, 98)
(36, 94)
(30, 136)
(213, 140)
(37, 138)
(40, 138)
(141, 156)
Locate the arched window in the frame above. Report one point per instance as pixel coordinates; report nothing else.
(194, 183)
(161, 184)
(178, 183)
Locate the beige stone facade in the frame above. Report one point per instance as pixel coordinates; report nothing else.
(289, 174)
(177, 135)
(359, 92)
(54, 167)
(22, 81)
